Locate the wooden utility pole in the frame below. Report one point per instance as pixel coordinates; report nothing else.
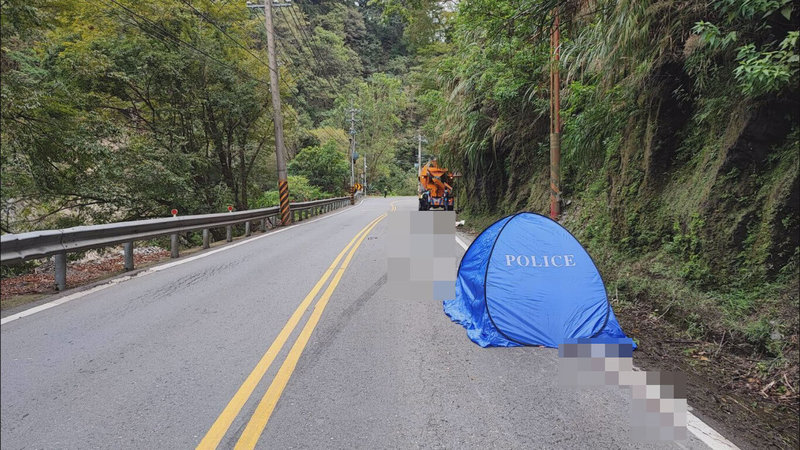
(353, 112)
(555, 122)
(419, 161)
(280, 148)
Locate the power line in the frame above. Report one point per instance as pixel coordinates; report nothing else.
(164, 33)
(234, 40)
(311, 42)
(281, 50)
(300, 44)
(160, 33)
(213, 23)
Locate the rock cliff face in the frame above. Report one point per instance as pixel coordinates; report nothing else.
(679, 185)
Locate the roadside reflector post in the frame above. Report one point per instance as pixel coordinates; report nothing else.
(263, 226)
(173, 243)
(229, 233)
(206, 238)
(61, 270)
(247, 228)
(128, 255)
(174, 212)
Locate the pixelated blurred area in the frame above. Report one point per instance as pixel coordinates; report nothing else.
(421, 255)
(658, 405)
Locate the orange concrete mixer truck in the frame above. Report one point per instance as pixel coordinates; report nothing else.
(435, 187)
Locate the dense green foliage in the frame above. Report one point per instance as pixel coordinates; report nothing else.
(679, 151)
(324, 167)
(116, 109)
(680, 126)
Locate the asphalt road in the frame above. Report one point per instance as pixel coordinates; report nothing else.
(152, 362)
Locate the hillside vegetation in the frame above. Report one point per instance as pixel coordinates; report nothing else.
(680, 153)
(680, 136)
(118, 109)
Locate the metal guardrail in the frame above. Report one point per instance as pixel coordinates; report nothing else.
(16, 248)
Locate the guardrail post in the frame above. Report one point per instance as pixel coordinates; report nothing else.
(61, 270)
(263, 226)
(128, 255)
(173, 244)
(247, 228)
(294, 216)
(206, 238)
(229, 233)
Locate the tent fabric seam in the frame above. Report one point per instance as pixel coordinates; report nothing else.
(486, 274)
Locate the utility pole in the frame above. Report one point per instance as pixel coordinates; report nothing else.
(280, 148)
(352, 112)
(419, 161)
(555, 122)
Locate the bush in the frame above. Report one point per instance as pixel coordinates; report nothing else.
(300, 190)
(321, 166)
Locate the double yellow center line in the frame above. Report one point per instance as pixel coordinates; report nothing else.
(263, 411)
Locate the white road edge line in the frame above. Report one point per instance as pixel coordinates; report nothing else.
(115, 281)
(697, 427)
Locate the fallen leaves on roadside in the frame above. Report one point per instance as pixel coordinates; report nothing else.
(78, 273)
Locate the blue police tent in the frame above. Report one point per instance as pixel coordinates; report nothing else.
(526, 280)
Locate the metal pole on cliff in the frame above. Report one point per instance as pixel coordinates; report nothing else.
(555, 122)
